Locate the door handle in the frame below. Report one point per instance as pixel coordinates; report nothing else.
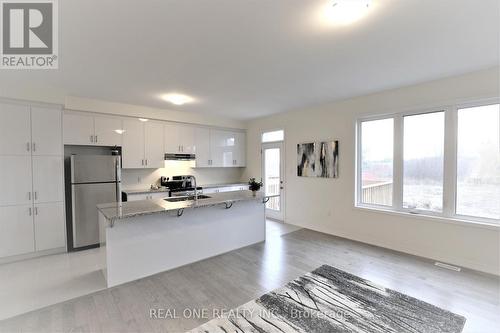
(36, 210)
(29, 196)
(96, 139)
(92, 139)
(142, 162)
(36, 195)
(34, 146)
(27, 146)
(146, 161)
(29, 211)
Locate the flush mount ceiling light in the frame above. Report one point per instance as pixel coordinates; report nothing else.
(119, 131)
(345, 12)
(177, 99)
(143, 119)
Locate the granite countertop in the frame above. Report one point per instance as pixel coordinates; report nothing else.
(117, 211)
(145, 191)
(224, 185)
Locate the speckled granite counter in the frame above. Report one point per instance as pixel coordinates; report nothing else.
(146, 191)
(117, 211)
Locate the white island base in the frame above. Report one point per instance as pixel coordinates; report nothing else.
(144, 245)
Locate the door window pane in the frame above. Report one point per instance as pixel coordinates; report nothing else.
(273, 136)
(377, 161)
(423, 160)
(478, 162)
(272, 177)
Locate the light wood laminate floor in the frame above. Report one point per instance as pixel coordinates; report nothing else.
(232, 279)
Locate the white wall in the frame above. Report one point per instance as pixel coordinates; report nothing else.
(143, 178)
(327, 205)
(93, 105)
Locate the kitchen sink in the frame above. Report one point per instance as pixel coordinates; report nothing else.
(191, 197)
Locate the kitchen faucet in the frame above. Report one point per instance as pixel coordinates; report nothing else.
(193, 184)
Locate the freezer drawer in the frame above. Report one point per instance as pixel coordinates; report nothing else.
(85, 198)
(94, 168)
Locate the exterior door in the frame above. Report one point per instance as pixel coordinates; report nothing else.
(273, 171)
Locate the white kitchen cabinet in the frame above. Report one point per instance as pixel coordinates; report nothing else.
(222, 148)
(16, 230)
(172, 138)
(240, 149)
(78, 129)
(46, 133)
(202, 143)
(179, 139)
(107, 131)
(133, 144)
(15, 180)
(142, 145)
(15, 131)
(49, 226)
(187, 139)
(146, 196)
(47, 179)
(154, 152)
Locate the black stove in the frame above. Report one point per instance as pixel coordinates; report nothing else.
(179, 185)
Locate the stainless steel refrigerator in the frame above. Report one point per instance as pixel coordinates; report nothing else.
(95, 179)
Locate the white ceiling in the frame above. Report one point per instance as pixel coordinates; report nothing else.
(249, 58)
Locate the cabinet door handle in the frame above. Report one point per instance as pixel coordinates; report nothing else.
(146, 161)
(36, 210)
(92, 139)
(36, 195)
(34, 146)
(96, 139)
(142, 162)
(27, 146)
(29, 196)
(29, 211)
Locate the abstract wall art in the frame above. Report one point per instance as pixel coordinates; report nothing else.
(318, 159)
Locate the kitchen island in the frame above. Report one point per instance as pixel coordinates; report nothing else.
(145, 237)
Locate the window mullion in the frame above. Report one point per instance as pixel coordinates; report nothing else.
(450, 162)
(397, 198)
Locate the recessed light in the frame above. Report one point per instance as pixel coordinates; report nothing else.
(344, 12)
(177, 99)
(143, 119)
(119, 131)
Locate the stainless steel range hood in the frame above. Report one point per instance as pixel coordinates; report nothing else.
(179, 157)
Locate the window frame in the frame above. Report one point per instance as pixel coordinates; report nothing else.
(450, 148)
(272, 130)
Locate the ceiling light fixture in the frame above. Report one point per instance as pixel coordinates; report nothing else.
(178, 99)
(143, 119)
(119, 131)
(345, 12)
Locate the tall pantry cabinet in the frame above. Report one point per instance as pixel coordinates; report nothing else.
(31, 179)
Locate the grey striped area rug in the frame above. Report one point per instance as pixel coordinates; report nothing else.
(331, 300)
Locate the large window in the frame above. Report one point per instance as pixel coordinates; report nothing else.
(441, 162)
(478, 162)
(423, 158)
(376, 161)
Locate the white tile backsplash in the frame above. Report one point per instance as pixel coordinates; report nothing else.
(143, 178)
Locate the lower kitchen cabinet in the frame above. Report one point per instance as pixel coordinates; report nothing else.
(49, 226)
(16, 230)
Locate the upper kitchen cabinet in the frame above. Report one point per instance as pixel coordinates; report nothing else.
(78, 129)
(240, 149)
(179, 139)
(92, 130)
(108, 131)
(202, 143)
(15, 131)
(154, 151)
(133, 144)
(142, 144)
(46, 129)
(219, 148)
